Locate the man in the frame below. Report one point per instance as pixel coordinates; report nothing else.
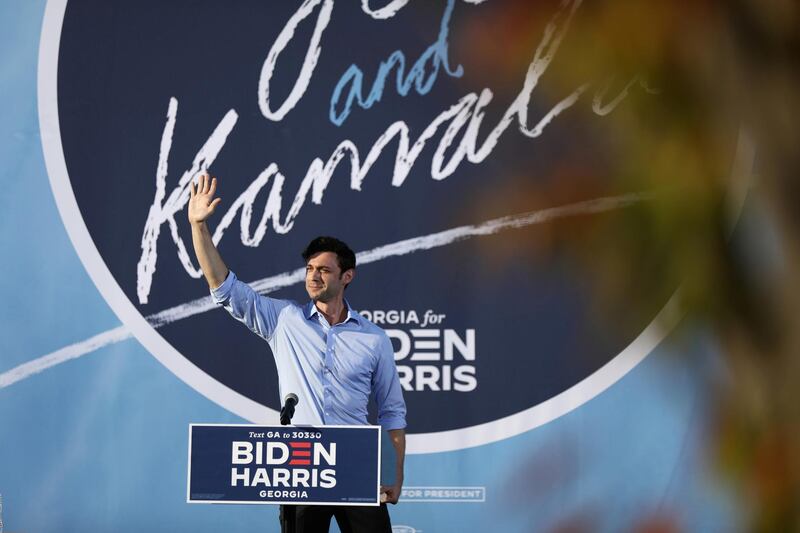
(325, 352)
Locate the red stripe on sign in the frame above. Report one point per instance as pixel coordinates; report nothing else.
(301, 453)
(300, 462)
(300, 444)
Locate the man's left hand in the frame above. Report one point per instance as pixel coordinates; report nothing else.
(391, 493)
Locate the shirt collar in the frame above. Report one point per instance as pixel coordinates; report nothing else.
(353, 315)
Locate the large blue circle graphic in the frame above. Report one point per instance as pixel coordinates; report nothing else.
(485, 322)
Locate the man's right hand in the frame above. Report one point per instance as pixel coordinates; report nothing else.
(201, 206)
(202, 203)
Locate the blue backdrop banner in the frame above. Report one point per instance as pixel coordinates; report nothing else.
(451, 143)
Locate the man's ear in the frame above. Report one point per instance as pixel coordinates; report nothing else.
(348, 276)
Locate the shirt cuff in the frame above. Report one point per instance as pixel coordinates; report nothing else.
(223, 292)
(392, 422)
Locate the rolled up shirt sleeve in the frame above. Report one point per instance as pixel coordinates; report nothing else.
(387, 391)
(259, 313)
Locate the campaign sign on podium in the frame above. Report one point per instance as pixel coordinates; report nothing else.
(326, 465)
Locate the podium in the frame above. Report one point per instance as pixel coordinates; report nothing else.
(251, 464)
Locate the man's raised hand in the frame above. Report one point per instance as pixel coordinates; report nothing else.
(201, 206)
(202, 202)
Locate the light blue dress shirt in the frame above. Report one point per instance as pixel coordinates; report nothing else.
(332, 369)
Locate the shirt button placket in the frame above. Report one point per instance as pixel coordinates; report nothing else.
(326, 376)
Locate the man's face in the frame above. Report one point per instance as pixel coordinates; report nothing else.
(324, 279)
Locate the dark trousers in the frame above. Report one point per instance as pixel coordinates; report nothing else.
(351, 519)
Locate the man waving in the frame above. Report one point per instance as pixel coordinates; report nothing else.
(325, 352)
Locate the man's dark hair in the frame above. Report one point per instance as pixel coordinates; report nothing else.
(344, 255)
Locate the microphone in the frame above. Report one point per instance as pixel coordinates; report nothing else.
(287, 411)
